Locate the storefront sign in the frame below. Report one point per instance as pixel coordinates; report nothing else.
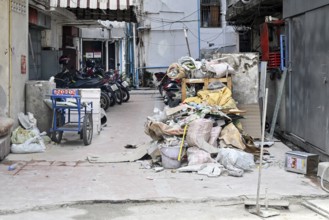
(97, 54)
(89, 55)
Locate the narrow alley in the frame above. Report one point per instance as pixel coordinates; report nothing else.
(62, 176)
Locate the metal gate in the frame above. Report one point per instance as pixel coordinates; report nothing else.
(309, 116)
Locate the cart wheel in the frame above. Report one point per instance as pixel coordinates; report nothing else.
(87, 129)
(56, 136)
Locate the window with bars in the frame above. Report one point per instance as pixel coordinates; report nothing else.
(210, 13)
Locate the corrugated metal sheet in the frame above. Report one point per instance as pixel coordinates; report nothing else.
(294, 7)
(92, 4)
(244, 14)
(309, 110)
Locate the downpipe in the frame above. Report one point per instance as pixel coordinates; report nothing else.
(10, 57)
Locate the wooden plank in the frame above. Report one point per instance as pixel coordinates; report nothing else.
(278, 103)
(271, 203)
(184, 89)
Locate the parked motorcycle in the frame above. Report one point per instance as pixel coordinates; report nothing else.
(122, 84)
(161, 79)
(75, 79)
(172, 93)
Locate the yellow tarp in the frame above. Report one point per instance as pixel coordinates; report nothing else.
(222, 97)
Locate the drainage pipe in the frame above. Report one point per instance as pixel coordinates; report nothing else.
(10, 57)
(135, 56)
(107, 54)
(199, 26)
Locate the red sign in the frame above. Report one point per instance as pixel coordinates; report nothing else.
(64, 92)
(23, 64)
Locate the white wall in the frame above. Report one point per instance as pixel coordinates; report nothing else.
(20, 47)
(219, 37)
(13, 98)
(95, 33)
(4, 64)
(162, 43)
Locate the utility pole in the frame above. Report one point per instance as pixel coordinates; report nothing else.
(188, 46)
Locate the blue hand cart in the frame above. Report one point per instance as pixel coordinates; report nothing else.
(62, 110)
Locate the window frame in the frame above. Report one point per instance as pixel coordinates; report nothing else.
(212, 10)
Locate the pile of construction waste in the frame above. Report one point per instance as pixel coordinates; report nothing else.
(203, 134)
(187, 67)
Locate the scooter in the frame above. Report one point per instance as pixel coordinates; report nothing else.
(161, 79)
(67, 79)
(172, 93)
(122, 84)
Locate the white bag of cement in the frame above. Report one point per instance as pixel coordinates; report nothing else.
(198, 135)
(197, 156)
(29, 146)
(235, 161)
(221, 69)
(27, 141)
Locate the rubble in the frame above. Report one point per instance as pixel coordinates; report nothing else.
(215, 140)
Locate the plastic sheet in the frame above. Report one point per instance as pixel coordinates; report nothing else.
(196, 156)
(198, 135)
(175, 71)
(220, 69)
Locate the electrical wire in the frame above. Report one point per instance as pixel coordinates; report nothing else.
(170, 22)
(170, 45)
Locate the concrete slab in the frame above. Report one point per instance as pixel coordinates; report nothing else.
(318, 206)
(159, 211)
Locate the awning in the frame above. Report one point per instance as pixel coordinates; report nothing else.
(113, 10)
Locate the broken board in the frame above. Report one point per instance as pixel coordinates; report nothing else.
(252, 120)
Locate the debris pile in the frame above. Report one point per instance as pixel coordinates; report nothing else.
(187, 67)
(215, 140)
(203, 134)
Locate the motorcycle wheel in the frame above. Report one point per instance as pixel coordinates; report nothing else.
(105, 101)
(112, 99)
(125, 94)
(118, 96)
(161, 91)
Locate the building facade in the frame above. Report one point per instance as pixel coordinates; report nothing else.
(170, 29)
(303, 114)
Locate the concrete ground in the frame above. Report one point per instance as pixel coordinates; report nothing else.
(63, 176)
(160, 211)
